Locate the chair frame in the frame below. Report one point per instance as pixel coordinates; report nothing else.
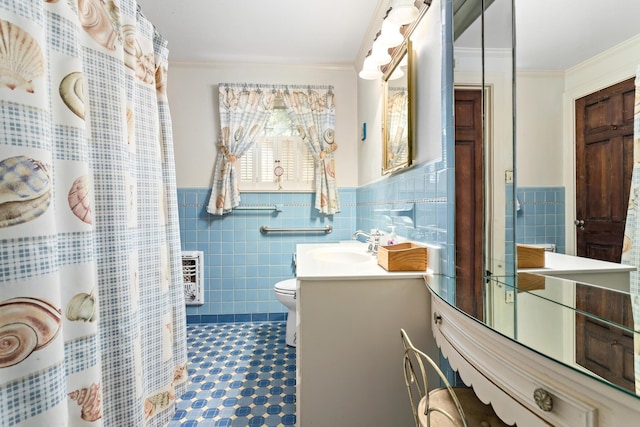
(413, 381)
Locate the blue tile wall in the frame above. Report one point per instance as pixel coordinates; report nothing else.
(541, 217)
(417, 202)
(242, 264)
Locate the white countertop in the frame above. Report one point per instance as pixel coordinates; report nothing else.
(605, 274)
(309, 266)
(568, 264)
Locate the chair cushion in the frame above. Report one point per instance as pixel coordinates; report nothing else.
(476, 412)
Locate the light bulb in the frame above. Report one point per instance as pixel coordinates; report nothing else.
(390, 35)
(403, 12)
(370, 73)
(379, 54)
(370, 70)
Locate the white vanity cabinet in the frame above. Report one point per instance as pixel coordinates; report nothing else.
(349, 352)
(522, 385)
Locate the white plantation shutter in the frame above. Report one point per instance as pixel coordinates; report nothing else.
(280, 141)
(246, 167)
(288, 158)
(267, 158)
(307, 164)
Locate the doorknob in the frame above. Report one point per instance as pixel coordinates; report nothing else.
(579, 223)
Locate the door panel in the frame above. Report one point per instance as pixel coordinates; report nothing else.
(604, 164)
(469, 201)
(601, 347)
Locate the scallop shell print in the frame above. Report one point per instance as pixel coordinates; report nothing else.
(331, 169)
(135, 58)
(79, 199)
(27, 325)
(82, 307)
(328, 136)
(25, 190)
(99, 18)
(158, 401)
(72, 92)
(21, 58)
(89, 399)
(161, 80)
(179, 374)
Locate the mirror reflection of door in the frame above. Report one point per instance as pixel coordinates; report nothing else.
(604, 165)
(469, 201)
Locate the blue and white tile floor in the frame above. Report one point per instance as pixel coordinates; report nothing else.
(240, 375)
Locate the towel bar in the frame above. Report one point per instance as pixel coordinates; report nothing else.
(257, 208)
(264, 229)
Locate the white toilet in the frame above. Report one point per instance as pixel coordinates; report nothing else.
(286, 294)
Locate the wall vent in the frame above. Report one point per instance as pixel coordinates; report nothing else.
(193, 277)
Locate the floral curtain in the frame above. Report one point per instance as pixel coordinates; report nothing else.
(631, 246)
(92, 316)
(244, 111)
(312, 110)
(397, 118)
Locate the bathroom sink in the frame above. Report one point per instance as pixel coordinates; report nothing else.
(339, 254)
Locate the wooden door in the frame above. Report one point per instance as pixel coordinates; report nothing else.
(469, 201)
(604, 164)
(601, 347)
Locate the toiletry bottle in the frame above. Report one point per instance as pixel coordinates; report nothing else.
(392, 238)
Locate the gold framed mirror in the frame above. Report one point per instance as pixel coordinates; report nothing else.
(397, 123)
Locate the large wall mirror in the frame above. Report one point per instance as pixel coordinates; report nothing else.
(533, 199)
(484, 154)
(397, 142)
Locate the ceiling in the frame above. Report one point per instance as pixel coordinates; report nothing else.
(559, 34)
(551, 34)
(273, 31)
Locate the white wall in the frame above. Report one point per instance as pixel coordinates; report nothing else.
(370, 112)
(193, 99)
(427, 71)
(552, 334)
(544, 156)
(539, 150)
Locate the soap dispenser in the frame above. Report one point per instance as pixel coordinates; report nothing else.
(392, 238)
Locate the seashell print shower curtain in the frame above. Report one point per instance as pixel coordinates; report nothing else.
(631, 245)
(92, 316)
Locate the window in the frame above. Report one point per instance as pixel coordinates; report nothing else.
(279, 145)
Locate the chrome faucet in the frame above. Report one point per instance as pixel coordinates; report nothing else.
(373, 239)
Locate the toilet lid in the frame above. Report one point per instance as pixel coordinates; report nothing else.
(286, 286)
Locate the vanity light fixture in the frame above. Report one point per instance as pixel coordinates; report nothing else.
(379, 54)
(370, 71)
(400, 16)
(390, 35)
(403, 12)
